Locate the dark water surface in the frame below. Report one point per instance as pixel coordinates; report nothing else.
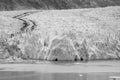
(19, 75)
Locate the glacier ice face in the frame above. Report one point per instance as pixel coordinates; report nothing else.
(64, 35)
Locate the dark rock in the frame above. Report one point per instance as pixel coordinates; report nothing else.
(55, 4)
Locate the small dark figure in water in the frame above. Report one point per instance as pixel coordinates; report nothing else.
(56, 59)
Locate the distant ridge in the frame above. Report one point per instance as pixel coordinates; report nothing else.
(54, 4)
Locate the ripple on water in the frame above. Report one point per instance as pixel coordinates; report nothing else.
(23, 75)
